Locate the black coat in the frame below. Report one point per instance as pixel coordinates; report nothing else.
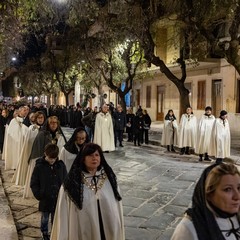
(119, 120)
(129, 118)
(137, 124)
(46, 181)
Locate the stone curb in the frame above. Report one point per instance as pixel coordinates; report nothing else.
(7, 225)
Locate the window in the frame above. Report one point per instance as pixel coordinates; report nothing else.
(201, 97)
(148, 97)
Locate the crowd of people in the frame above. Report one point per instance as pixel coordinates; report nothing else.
(78, 191)
(43, 160)
(208, 137)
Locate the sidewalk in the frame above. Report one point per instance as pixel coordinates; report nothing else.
(7, 225)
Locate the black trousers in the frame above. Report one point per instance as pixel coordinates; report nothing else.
(118, 135)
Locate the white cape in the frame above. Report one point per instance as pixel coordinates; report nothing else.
(204, 134)
(21, 172)
(170, 133)
(220, 139)
(71, 223)
(13, 143)
(103, 134)
(187, 131)
(67, 157)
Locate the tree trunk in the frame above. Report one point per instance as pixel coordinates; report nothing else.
(184, 99)
(66, 98)
(123, 102)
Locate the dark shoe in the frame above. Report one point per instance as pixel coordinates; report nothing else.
(139, 144)
(206, 158)
(106, 151)
(172, 149)
(187, 151)
(168, 148)
(121, 145)
(135, 144)
(45, 237)
(182, 151)
(219, 160)
(200, 157)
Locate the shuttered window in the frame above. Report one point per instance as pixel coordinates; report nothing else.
(201, 97)
(148, 97)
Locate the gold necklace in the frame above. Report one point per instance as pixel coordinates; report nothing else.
(92, 186)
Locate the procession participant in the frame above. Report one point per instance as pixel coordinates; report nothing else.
(129, 125)
(51, 132)
(214, 214)
(170, 131)
(15, 134)
(73, 146)
(20, 174)
(138, 128)
(46, 180)
(187, 131)
(89, 204)
(119, 119)
(103, 133)
(3, 123)
(204, 134)
(146, 126)
(220, 138)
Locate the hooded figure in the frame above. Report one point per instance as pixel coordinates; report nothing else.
(89, 204)
(220, 138)
(73, 146)
(208, 218)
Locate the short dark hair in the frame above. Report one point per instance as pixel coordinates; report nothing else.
(51, 150)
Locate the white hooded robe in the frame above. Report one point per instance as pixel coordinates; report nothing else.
(187, 131)
(204, 134)
(220, 139)
(71, 223)
(104, 134)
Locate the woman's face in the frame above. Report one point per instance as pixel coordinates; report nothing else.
(53, 124)
(189, 110)
(80, 137)
(170, 113)
(4, 113)
(40, 120)
(92, 161)
(226, 197)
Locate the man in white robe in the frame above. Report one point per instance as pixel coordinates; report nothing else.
(14, 140)
(103, 133)
(187, 131)
(21, 171)
(203, 134)
(220, 138)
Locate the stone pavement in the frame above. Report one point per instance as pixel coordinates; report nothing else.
(156, 187)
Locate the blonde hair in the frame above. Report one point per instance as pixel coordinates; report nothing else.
(214, 177)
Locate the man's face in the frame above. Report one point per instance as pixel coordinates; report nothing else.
(104, 108)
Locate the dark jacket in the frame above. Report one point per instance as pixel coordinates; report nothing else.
(147, 120)
(137, 124)
(46, 181)
(129, 120)
(119, 120)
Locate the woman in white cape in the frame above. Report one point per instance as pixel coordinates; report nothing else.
(73, 146)
(170, 131)
(89, 204)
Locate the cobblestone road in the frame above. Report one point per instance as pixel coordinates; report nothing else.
(156, 187)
